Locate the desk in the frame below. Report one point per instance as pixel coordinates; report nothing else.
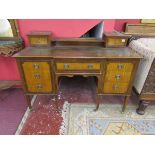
(41, 67)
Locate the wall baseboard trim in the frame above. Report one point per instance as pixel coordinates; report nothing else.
(6, 84)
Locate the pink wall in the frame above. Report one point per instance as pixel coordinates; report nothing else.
(109, 25)
(8, 69)
(60, 28)
(120, 23)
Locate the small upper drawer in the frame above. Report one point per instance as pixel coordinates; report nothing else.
(38, 38)
(115, 39)
(120, 66)
(112, 42)
(78, 66)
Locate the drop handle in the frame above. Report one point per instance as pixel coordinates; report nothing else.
(36, 66)
(115, 87)
(66, 66)
(90, 66)
(37, 76)
(39, 86)
(117, 77)
(120, 66)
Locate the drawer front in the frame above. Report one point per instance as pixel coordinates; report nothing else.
(38, 40)
(116, 42)
(120, 67)
(37, 76)
(115, 87)
(78, 66)
(116, 76)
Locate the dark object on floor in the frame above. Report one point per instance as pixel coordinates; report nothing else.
(148, 91)
(144, 34)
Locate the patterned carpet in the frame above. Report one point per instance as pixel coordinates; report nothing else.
(80, 119)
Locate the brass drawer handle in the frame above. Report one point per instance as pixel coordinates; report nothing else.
(120, 66)
(90, 66)
(37, 76)
(117, 77)
(39, 86)
(66, 66)
(115, 87)
(36, 66)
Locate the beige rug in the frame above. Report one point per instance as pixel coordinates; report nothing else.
(80, 119)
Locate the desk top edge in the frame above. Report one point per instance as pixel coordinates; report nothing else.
(77, 52)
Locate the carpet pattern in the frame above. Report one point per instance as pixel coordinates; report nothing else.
(46, 120)
(108, 120)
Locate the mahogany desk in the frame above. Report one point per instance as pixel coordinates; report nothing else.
(41, 67)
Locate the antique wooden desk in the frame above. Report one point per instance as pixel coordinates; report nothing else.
(41, 67)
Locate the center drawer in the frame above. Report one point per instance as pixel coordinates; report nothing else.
(77, 66)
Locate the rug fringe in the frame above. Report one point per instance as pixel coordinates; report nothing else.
(65, 114)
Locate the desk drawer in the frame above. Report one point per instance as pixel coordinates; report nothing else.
(78, 66)
(116, 42)
(38, 40)
(116, 76)
(37, 76)
(120, 67)
(115, 87)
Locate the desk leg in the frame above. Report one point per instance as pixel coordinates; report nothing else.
(56, 95)
(56, 103)
(97, 102)
(28, 99)
(125, 103)
(99, 91)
